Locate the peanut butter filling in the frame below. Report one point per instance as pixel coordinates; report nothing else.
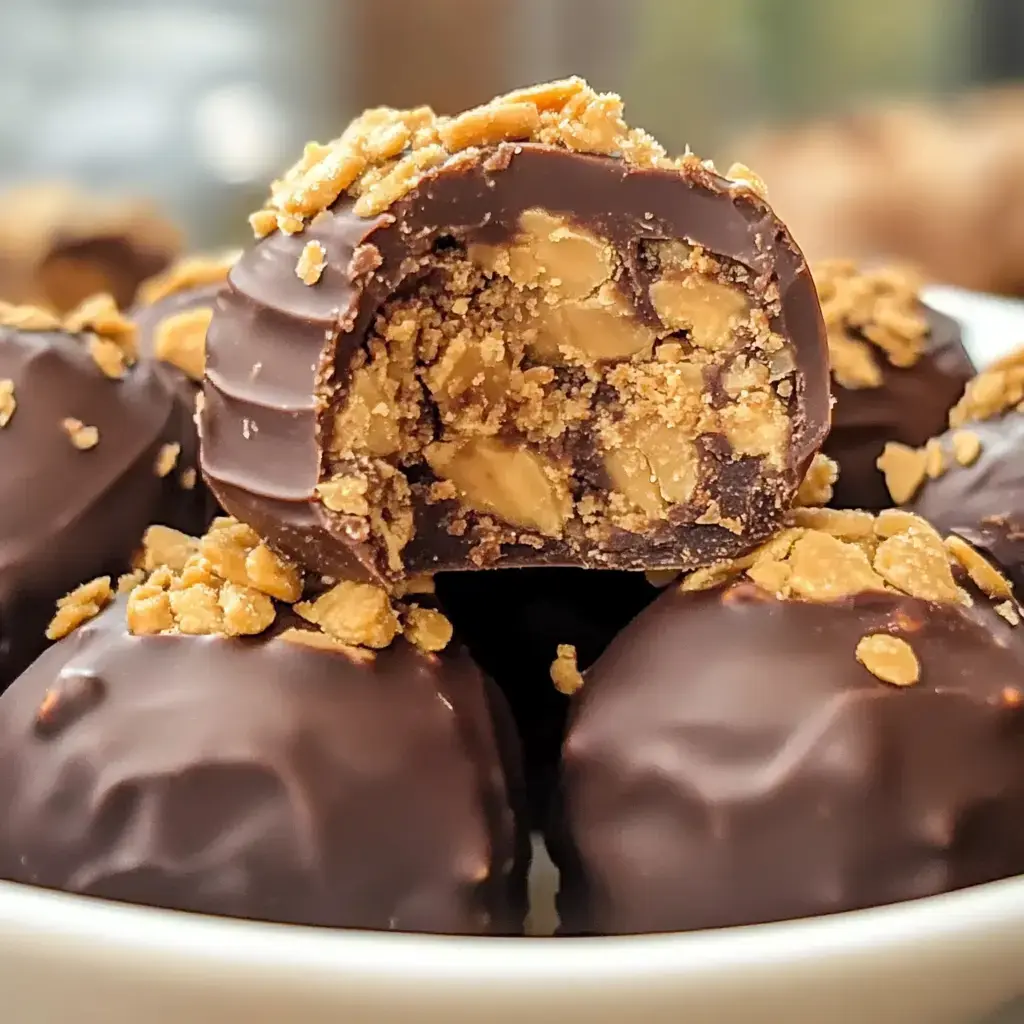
(524, 387)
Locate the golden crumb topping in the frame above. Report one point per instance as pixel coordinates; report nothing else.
(869, 310)
(565, 673)
(993, 392)
(384, 153)
(191, 272)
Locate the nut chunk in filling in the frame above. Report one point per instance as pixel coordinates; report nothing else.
(535, 339)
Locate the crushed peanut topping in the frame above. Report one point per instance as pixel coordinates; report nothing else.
(7, 401)
(904, 469)
(817, 486)
(311, 263)
(889, 658)
(82, 437)
(427, 628)
(112, 337)
(565, 673)
(354, 613)
(993, 392)
(83, 603)
(865, 310)
(826, 554)
(966, 447)
(192, 272)
(385, 153)
(180, 340)
(167, 459)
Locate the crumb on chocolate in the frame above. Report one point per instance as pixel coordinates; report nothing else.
(427, 628)
(167, 458)
(111, 335)
(82, 436)
(992, 392)
(7, 401)
(565, 673)
(889, 658)
(28, 318)
(188, 478)
(354, 613)
(819, 481)
(966, 447)
(867, 311)
(904, 469)
(80, 605)
(311, 263)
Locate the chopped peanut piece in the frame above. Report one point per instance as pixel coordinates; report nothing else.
(162, 545)
(80, 605)
(268, 572)
(889, 658)
(818, 483)
(311, 264)
(7, 402)
(966, 447)
(354, 613)
(247, 612)
(427, 629)
(192, 272)
(82, 437)
(149, 611)
(167, 459)
(904, 469)
(981, 571)
(564, 671)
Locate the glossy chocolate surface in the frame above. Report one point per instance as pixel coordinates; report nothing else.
(910, 405)
(262, 779)
(67, 515)
(273, 337)
(729, 762)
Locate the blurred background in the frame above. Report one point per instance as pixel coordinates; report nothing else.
(197, 103)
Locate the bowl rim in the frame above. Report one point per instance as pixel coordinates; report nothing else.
(101, 928)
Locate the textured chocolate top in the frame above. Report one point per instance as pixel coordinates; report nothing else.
(909, 405)
(730, 761)
(273, 337)
(68, 513)
(262, 779)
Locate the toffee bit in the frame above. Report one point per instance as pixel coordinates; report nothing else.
(167, 459)
(889, 658)
(82, 437)
(80, 605)
(565, 673)
(904, 470)
(7, 401)
(427, 629)
(966, 447)
(311, 263)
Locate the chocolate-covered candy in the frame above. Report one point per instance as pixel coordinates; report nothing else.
(172, 316)
(898, 367)
(514, 621)
(839, 726)
(261, 778)
(58, 246)
(89, 446)
(970, 479)
(520, 336)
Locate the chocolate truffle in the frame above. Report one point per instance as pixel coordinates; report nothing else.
(839, 725)
(157, 756)
(172, 316)
(898, 367)
(520, 336)
(514, 621)
(970, 479)
(89, 448)
(58, 246)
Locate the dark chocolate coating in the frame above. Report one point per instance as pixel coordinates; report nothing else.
(273, 338)
(512, 621)
(730, 762)
(68, 515)
(261, 779)
(909, 406)
(147, 319)
(984, 502)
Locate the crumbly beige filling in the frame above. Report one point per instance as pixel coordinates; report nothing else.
(524, 378)
(828, 555)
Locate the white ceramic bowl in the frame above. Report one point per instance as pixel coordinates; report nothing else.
(954, 959)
